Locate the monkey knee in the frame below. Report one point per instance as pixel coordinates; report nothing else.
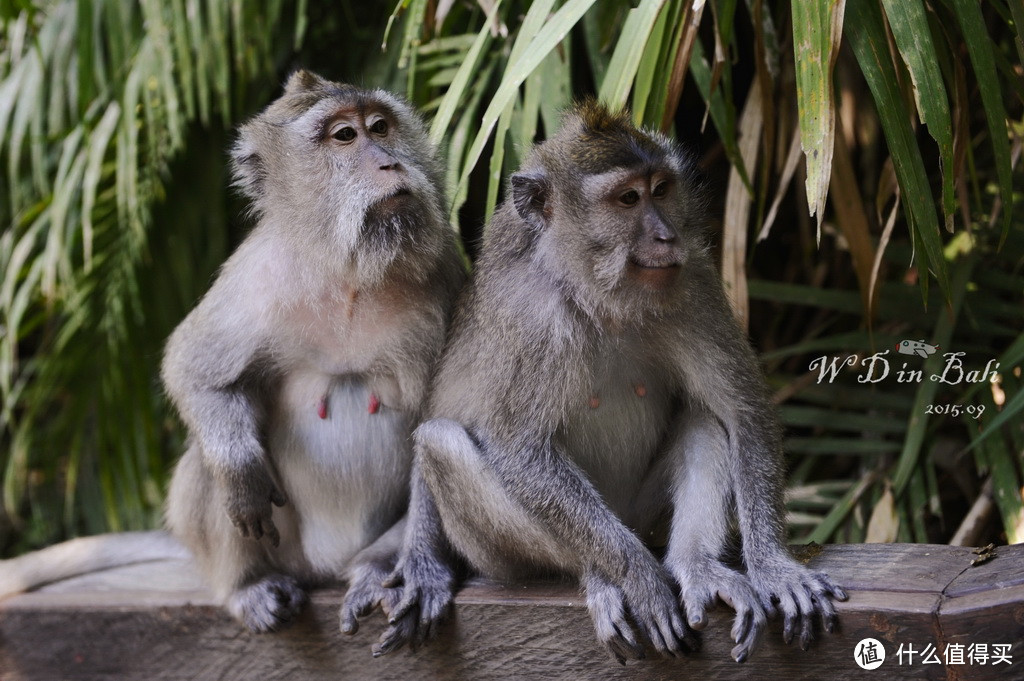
(444, 445)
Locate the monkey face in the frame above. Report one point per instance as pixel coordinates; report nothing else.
(352, 168)
(615, 210)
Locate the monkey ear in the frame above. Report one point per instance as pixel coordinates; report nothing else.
(303, 81)
(530, 195)
(247, 165)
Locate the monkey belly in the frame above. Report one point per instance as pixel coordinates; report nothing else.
(344, 459)
(618, 430)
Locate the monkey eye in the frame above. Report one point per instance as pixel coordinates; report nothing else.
(344, 134)
(629, 198)
(660, 190)
(380, 127)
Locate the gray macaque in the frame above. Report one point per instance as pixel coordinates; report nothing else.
(301, 373)
(594, 380)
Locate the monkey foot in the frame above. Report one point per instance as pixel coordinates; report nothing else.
(425, 585)
(800, 595)
(654, 612)
(702, 585)
(268, 604)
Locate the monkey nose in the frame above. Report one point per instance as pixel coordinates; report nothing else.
(381, 159)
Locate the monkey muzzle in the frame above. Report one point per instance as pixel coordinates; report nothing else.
(654, 274)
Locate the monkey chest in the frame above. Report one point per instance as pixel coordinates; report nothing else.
(616, 427)
(344, 331)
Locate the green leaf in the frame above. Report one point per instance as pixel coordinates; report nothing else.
(532, 23)
(722, 114)
(866, 32)
(913, 38)
(554, 31)
(647, 71)
(629, 50)
(457, 90)
(99, 139)
(817, 26)
(979, 47)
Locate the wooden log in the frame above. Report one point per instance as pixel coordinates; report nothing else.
(156, 622)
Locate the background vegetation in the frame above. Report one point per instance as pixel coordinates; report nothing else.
(115, 114)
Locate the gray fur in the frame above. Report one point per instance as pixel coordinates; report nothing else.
(595, 379)
(319, 303)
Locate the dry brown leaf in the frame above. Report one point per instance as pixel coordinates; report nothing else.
(737, 207)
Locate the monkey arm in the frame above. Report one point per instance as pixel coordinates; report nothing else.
(521, 503)
(205, 371)
(721, 372)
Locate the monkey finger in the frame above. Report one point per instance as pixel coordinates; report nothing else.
(807, 631)
(686, 636)
(658, 640)
(827, 611)
(625, 634)
(277, 497)
(790, 615)
(831, 587)
(664, 628)
(695, 614)
(433, 609)
(741, 624)
(625, 649)
(393, 638)
(257, 530)
(803, 598)
(272, 533)
(769, 600)
(396, 578)
(409, 600)
(349, 622)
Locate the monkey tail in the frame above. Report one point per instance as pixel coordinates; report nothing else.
(84, 555)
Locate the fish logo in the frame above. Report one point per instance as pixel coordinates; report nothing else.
(919, 348)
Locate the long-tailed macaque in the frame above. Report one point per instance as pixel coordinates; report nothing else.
(302, 372)
(594, 380)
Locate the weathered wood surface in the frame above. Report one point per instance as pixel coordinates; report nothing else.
(155, 622)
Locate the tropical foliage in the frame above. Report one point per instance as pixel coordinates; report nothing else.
(896, 124)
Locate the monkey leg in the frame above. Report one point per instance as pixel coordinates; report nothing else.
(257, 587)
(700, 530)
(502, 535)
(493, 531)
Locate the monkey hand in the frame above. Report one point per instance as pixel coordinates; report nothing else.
(798, 593)
(250, 493)
(366, 591)
(653, 607)
(702, 582)
(425, 583)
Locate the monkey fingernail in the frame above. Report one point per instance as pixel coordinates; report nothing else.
(374, 405)
(594, 402)
(640, 389)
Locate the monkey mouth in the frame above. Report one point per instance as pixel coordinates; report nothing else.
(655, 275)
(394, 200)
(401, 191)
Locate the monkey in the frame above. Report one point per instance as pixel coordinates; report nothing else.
(594, 379)
(301, 373)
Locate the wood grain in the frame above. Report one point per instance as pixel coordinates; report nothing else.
(155, 622)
